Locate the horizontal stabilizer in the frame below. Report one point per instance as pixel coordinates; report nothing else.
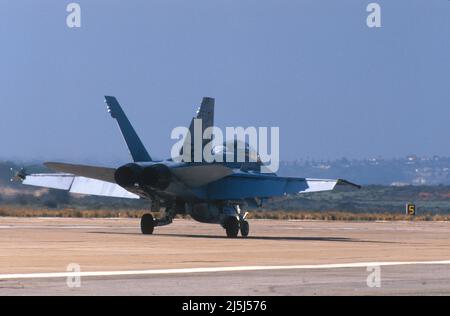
(99, 173)
(345, 182)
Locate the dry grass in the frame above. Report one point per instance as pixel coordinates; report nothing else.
(68, 212)
(280, 215)
(344, 216)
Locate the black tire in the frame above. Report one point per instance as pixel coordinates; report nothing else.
(245, 228)
(232, 227)
(147, 224)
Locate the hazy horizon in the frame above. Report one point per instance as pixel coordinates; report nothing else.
(118, 160)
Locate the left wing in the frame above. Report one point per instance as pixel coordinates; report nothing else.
(76, 184)
(81, 179)
(246, 185)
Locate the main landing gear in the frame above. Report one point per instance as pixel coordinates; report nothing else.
(148, 222)
(231, 218)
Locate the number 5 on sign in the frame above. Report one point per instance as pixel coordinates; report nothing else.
(411, 209)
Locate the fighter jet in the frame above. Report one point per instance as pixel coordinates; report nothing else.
(217, 192)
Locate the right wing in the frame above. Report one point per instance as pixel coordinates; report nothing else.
(245, 185)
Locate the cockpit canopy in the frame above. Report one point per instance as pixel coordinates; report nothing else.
(236, 152)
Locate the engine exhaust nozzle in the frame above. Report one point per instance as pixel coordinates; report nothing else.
(156, 176)
(127, 175)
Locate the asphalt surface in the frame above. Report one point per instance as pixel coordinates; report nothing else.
(398, 280)
(190, 258)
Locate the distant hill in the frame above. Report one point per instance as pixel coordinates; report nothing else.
(370, 199)
(411, 170)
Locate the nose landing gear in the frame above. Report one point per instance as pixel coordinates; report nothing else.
(245, 228)
(235, 223)
(231, 226)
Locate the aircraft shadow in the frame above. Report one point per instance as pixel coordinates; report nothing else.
(282, 238)
(275, 238)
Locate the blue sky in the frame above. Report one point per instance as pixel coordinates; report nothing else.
(334, 86)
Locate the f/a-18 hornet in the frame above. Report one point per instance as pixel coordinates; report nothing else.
(210, 192)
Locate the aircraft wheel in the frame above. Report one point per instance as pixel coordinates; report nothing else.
(147, 224)
(245, 228)
(232, 227)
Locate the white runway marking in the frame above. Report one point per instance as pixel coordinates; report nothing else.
(214, 269)
(61, 227)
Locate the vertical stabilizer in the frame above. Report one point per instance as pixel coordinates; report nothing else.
(206, 114)
(135, 146)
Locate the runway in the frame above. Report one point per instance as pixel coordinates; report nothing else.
(190, 258)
